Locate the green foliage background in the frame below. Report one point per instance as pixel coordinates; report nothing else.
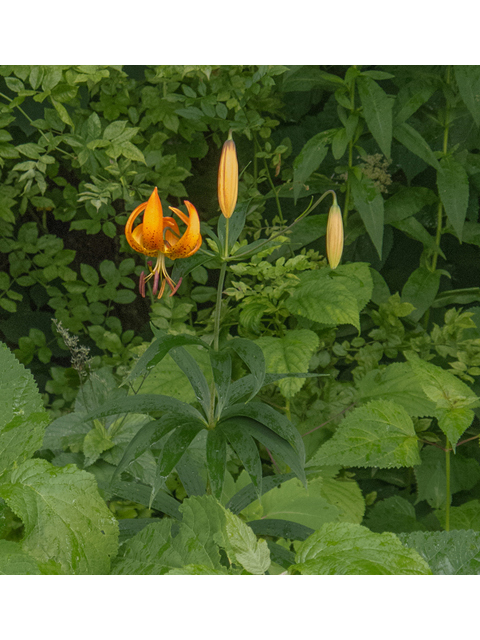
(385, 415)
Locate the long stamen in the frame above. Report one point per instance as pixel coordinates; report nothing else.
(156, 280)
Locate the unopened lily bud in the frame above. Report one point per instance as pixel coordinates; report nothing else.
(334, 235)
(228, 178)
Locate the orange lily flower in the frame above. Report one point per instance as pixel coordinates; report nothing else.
(159, 237)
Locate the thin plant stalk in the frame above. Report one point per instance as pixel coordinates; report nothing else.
(449, 497)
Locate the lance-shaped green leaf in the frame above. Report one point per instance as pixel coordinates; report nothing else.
(140, 493)
(243, 388)
(23, 419)
(157, 351)
(416, 143)
(252, 356)
(453, 189)
(309, 159)
(420, 290)
(66, 521)
(272, 419)
(378, 434)
(369, 203)
(454, 400)
(146, 404)
(222, 375)
(411, 97)
(407, 202)
(246, 449)
(248, 494)
(277, 445)
(191, 468)
(377, 111)
(175, 447)
(195, 376)
(235, 225)
(281, 529)
(14, 561)
(415, 230)
(350, 549)
(216, 460)
(289, 354)
(468, 81)
(144, 439)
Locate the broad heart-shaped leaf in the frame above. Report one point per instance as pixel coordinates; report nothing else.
(448, 553)
(452, 397)
(14, 561)
(157, 549)
(239, 426)
(325, 500)
(289, 354)
(195, 376)
(468, 81)
(431, 476)
(309, 159)
(23, 419)
(396, 382)
(252, 356)
(251, 553)
(416, 143)
(350, 549)
(466, 516)
(420, 290)
(66, 521)
(324, 300)
(377, 111)
(157, 351)
(453, 189)
(216, 460)
(393, 514)
(369, 204)
(378, 434)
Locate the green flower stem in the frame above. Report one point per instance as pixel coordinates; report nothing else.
(308, 210)
(449, 497)
(350, 158)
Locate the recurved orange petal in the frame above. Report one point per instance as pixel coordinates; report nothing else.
(133, 241)
(191, 239)
(153, 224)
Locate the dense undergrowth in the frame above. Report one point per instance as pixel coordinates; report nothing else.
(275, 415)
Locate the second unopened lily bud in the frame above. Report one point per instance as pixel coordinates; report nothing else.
(334, 235)
(228, 178)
